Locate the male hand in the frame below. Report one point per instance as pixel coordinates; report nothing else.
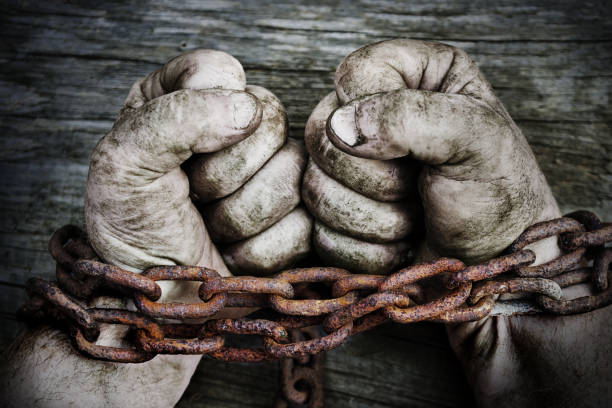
(139, 214)
(138, 209)
(480, 187)
(366, 211)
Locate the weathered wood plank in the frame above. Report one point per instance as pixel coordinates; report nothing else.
(576, 92)
(65, 69)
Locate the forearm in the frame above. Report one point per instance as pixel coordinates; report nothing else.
(532, 360)
(42, 369)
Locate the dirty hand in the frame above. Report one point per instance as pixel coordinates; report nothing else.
(245, 177)
(138, 209)
(480, 187)
(365, 210)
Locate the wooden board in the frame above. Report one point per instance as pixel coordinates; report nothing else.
(66, 67)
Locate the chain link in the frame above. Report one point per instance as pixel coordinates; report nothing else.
(354, 303)
(301, 379)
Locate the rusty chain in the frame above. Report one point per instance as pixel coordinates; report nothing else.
(355, 302)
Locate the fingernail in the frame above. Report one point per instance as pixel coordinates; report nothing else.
(246, 110)
(342, 124)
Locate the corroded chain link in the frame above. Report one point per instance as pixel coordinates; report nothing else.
(354, 302)
(301, 380)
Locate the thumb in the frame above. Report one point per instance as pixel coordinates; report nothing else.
(167, 130)
(432, 127)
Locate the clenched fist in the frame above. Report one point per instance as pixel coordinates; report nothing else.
(245, 178)
(243, 173)
(480, 184)
(366, 210)
(480, 187)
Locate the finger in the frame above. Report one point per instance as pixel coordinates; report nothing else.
(353, 214)
(356, 255)
(283, 244)
(199, 69)
(163, 133)
(266, 198)
(402, 63)
(389, 180)
(216, 175)
(432, 127)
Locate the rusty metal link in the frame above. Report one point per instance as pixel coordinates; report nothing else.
(581, 304)
(179, 342)
(518, 285)
(241, 355)
(572, 238)
(50, 293)
(249, 326)
(598, 274)
(575, 306)
(546, 229)
(275, 330)
(601, 265)
(67, 245)
(67, 255)
(421, 271)
(349, 283)
(312, 346)
(246, 300)
(492, 268)
(373, 282)
(311, 307)
(554, 267)
(394, 303)
(302, 377)
(261, 327)
(117, 354)
(245, 284)
(175, 310)
(369, 321)
(568, 242)
(82, 287)
(573, 277)
(480, 310)
(106, 353)
(590, 220)
(298, 322)
(543, 230)
(365, 306)
(430, 309)
(586, 239)
(117, 277)
(353, 303)
(459, 315)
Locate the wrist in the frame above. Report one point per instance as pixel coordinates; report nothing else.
(546, 249)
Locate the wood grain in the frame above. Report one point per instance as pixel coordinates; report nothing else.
(66, 67)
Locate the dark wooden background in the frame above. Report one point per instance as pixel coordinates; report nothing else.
(66, 67)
